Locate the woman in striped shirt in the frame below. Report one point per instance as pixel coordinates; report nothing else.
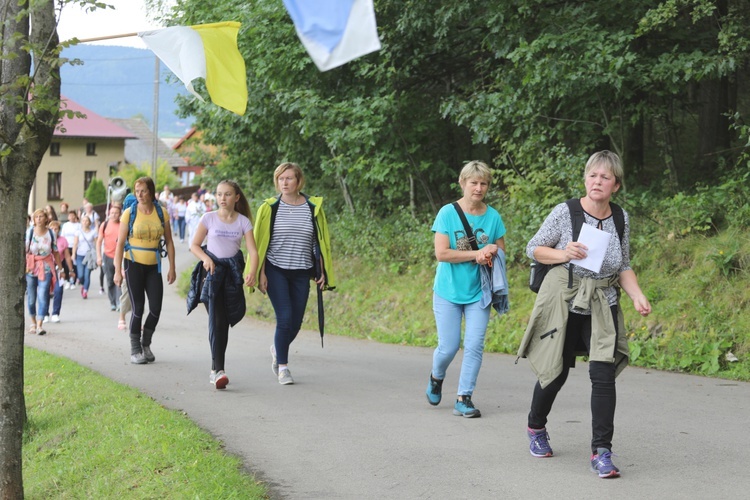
(291, 234)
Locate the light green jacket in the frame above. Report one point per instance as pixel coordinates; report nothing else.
(262, 234)
(544, 339)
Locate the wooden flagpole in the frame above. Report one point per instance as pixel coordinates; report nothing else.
(107, 37)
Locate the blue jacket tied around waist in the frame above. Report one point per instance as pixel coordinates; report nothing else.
(227, 280)
(495, 284)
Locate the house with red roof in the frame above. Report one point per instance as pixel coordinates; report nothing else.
(82, 149)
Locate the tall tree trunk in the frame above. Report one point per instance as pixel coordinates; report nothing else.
(26, 129)
(345, 192)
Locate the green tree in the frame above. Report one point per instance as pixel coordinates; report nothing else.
(26, 126)
(96, 193)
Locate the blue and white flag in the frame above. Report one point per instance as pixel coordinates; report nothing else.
(335, 32)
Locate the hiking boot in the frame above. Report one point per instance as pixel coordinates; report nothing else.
(274, 362)
(434, 391)
(466, 408)
(148, 354)
(218, 379)
(538, 442)
(285, 377)
(601, 463)
(138, 358)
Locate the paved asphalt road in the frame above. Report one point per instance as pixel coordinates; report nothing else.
(356, 423)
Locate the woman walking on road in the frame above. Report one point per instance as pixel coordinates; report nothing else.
(458, 290)
(583, 307)
(84, 249)
(294, 247)
(42, 263)
(138, 254)
(217, 279)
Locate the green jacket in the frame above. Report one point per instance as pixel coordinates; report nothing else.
(544, 339)
(262, 234)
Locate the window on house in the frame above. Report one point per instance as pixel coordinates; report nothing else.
(88, 176)
(54, 149)
(90, 149)
(54, 186)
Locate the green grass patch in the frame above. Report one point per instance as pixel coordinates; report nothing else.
(89, 437)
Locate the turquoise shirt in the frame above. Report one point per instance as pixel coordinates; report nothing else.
(460, 283)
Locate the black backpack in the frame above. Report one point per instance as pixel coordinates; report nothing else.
(577, 219)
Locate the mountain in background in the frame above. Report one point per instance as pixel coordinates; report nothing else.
(118, 82)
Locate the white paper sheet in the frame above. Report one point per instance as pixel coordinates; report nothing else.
(597, 242)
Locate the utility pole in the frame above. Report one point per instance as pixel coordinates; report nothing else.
(155, 142)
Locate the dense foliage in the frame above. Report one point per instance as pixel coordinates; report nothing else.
(530, 86)
(533, 88)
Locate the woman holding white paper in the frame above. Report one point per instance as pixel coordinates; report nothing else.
(579, 313)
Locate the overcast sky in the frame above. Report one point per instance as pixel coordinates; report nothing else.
(127, 17)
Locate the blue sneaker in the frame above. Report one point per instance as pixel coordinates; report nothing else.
(466, 408)
(601, 463)
(538, 442)
(434, 391)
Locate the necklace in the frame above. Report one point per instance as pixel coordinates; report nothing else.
(291, 206)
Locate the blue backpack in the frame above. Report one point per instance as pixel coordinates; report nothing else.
(130, 202)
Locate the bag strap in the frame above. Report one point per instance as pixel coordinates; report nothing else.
(577, 220)
(467, 227)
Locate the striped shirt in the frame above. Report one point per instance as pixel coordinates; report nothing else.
(291, 245)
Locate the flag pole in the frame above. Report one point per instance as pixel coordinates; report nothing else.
(100, 38)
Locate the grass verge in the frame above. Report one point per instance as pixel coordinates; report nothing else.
(89, 437)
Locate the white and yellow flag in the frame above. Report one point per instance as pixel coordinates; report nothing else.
(207, 51)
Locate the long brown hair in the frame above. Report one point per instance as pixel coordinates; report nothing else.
(242, 206)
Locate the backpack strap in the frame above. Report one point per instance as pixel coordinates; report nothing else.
(577, 219)
(619, 217)
(160, 250)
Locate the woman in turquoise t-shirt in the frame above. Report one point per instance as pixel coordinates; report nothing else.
(457, 290)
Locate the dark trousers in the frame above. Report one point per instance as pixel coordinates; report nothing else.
(288, 290)
(218, 332)
(113, 291)
(602, 375)
(143, 282)
(181, 227)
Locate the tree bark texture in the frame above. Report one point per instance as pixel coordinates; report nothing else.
(26, 129)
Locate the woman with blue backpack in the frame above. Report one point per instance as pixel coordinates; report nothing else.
(145, 237)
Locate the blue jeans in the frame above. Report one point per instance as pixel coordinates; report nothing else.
(83, 273)
(37, 292)
(288, 290)
(448, 320)
(181, 227)
(57, 298)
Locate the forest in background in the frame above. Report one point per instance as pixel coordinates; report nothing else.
(532, 87)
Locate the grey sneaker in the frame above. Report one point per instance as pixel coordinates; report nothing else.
(285, 377)
(138, 359)
(218, 379)
(148, 354)
(274, 363)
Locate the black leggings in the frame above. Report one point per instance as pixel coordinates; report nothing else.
(602, 375)
(143, 281)
(218, 332)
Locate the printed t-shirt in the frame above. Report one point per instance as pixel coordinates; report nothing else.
(460, 283)
(147, 232)
(224, 240)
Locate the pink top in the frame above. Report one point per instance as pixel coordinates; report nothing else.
(224, 240)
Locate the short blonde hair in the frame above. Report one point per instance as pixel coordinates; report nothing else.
(475, 169)
(297, 173)
(609, 160)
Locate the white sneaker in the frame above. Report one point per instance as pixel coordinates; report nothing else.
(54, 318)
(66, 285)
(72, 286)
(46, 318)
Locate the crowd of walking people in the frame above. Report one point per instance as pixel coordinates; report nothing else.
(287, 246)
